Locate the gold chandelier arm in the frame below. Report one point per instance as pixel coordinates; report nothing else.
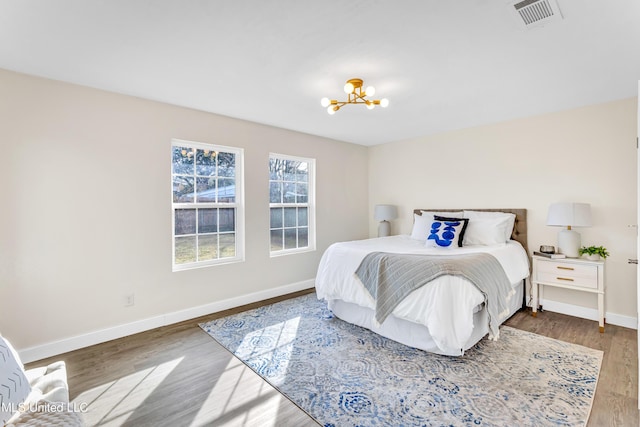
(359, 98)
(364, 101)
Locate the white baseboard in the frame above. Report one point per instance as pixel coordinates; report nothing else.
(54, 348)
(589, 313)
(96, 337)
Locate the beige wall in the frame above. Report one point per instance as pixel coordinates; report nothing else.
(582, 155)
(86, 211)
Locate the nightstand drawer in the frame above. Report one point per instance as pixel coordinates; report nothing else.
(566, 273)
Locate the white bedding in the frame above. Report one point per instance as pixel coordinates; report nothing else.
(445, 307)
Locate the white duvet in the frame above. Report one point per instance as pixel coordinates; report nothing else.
(445, 306)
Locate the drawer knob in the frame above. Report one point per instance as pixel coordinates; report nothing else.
(565, 278)
(565, 268)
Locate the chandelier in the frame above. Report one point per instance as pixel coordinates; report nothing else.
(355, 95)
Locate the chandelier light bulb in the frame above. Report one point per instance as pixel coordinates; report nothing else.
(370, 91)
(325, 102)
(331, 110)
(384, 102)
(349, 88)
(370, 105)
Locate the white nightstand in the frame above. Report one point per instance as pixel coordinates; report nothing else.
(569, 273)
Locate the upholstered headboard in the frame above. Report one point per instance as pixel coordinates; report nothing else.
(519, 232)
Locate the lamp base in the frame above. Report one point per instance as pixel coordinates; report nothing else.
(569, 243)
(384, 229)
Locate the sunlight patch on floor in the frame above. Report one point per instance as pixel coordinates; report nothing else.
(112, 403)
(273, 343)
(240, 396)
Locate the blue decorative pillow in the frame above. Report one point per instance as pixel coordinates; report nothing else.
(447, 232)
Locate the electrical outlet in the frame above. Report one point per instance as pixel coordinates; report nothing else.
(129, 300)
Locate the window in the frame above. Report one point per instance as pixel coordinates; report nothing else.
(292, 210)
(207, 204)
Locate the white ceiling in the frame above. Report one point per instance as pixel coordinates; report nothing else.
(443, 65)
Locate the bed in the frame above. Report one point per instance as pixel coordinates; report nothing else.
(449, 314)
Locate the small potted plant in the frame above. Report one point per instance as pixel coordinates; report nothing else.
(594, 253)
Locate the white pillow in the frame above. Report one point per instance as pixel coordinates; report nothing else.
(488, 228)
(14, 386)
(422, 223)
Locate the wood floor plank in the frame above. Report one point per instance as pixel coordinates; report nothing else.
(179, 376)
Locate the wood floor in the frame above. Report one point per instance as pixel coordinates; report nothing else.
(178, 376)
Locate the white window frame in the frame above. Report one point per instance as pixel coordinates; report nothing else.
(238, 205)
(310, 205)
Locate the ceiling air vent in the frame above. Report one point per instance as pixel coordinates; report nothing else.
(532, 13)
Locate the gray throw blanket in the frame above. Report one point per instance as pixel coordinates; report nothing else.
(389, 278)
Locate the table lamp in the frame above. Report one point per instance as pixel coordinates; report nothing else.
(385, 213)
(569, 215)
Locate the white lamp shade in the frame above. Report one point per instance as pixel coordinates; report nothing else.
(569, 215)
(385, 212)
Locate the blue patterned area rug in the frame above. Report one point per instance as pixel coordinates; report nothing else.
(344, 375)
